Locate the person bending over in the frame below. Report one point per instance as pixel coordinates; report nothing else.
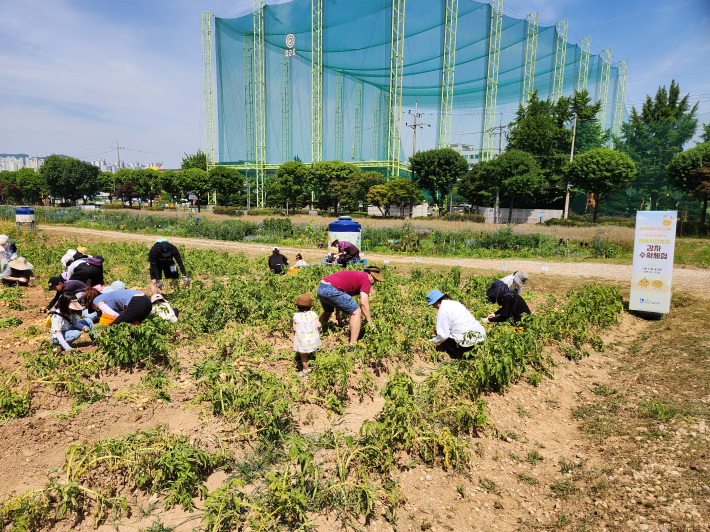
(277, 261)
(60, 286)
(336, 291)
(347, 252)
(516, 281)
(512, 306)
(457, 331)
(163, 257)
(127, 306)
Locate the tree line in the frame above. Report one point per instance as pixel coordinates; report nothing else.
(647, 166)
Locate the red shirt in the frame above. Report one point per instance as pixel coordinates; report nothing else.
(350, 282)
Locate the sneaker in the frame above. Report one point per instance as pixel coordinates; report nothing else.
(304, 373)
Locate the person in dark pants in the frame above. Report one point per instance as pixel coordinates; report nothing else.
(60, 286)
(457, 331)
(512, 306)
(127, 306)
(277, 261)
(347, 252)
(18, 273)
(88, 270)
(163, 257)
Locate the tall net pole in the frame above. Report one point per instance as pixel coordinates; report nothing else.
(285, 110)
(620, 96)
(316, 80)
(585, 46)
(357, 141)
(560, 56)
(530, 56)
(259, 100)
(376, 116)
(492, 79)
(395, 100)
(447, 81)
(207, 86)
(604, 88)
(249, 96)
(339, 116)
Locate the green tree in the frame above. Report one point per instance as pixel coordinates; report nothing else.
(437, 171)
(397, 191)
(323, 174)
(474, 189)
(353, 191)
(196, 160)
(590, 133)
(690, 171)
(31, 184)
(225, 181)
(601, 171)
(107, 184)
(197, 182)
(706, 133)
(70, 178)
(517, 173)
(655, 135)
(291, 177)
(148, 183)
(540, 128)
(171, 183)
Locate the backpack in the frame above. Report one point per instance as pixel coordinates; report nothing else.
(94, 261)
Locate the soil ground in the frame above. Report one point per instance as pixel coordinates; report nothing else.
(616, 441)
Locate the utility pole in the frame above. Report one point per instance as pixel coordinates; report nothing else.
(500, 129)
(571, 156)
(416, 114)
(118, 154)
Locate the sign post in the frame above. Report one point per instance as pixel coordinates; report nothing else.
(652, 270)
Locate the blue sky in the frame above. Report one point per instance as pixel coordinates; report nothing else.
(79, 75)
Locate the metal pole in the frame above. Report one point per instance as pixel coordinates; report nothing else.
(571, 156)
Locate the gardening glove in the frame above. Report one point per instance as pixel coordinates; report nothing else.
(160, 285)
(370, 326)
(186, 280)
(485, 320)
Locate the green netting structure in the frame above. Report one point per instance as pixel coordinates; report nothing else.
(264, 95)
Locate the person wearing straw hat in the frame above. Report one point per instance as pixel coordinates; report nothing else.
(516, 281)
(162, 258)
(336, 291)
(18, 272)
(457, 331)
(66, 324)
(277, 261)
(306, 331)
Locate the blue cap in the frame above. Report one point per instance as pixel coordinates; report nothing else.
(434, 296)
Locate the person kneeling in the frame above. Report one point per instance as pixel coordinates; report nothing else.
(457, 331)
(512, 306)
(66, 324)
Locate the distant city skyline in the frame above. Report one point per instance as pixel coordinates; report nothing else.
(13, 162)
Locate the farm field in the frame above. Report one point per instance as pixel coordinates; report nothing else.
(587, 418)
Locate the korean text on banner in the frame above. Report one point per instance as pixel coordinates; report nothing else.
(654, 244)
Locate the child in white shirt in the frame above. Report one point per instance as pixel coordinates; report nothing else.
(306, 329)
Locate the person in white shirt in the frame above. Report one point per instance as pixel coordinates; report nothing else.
(299, 261)
(457, 331)
(516, 281)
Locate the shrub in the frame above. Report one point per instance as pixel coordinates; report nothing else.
(265, 212)
(229, 211)
(282, 225)
(475, 218)
(125, 345)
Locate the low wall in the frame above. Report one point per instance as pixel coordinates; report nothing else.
(520, 216)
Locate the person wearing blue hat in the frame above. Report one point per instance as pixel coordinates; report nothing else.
(457, 331)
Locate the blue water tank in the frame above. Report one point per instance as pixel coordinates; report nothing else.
(344, 229)
(25, 218)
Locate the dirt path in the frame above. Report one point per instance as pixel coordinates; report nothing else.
(686, 278)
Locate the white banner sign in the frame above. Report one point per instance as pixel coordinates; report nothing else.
(654, 244)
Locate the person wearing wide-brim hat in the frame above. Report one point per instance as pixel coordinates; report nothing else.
(516, 281)
(306, 331)
(336, 291)
(457, 331)
(18, 272)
